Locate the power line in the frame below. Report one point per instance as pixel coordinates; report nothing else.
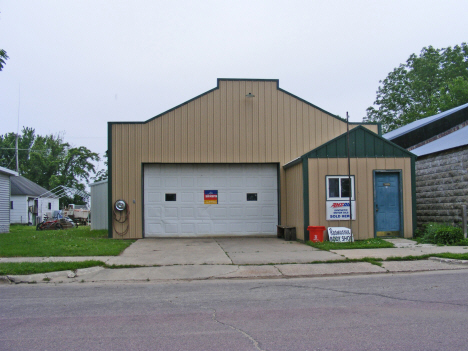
(30, 150)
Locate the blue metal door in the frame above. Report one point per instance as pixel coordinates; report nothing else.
(387, 208)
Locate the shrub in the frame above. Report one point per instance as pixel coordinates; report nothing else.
(442, 234)
(448, 236)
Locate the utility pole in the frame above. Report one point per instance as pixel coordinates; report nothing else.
(349, 180)
(17, 162)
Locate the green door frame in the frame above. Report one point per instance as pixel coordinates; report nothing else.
(400, 193)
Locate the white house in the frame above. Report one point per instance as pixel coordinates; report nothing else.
(28, 202)
(5, 175)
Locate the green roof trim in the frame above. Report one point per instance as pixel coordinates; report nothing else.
(362, 143)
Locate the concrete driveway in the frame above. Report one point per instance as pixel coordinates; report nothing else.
(219, 251)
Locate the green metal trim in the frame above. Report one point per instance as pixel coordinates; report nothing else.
(400, 188)
(363, 144)
(278, 190)
(310, 104)
(110, 230)
(413, 193)
(305, 192)
(143, 200)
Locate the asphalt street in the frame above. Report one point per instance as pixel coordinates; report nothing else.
(417, 311)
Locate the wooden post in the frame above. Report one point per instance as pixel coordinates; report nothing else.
(464, 220)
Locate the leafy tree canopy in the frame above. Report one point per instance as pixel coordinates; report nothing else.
(433, 82)
(102, 174)
(48, 160)
(3, 58)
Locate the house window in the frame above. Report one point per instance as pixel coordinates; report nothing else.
(338, 188)
(171, 197)
(50, 205)
(11, 205)
(251, 196)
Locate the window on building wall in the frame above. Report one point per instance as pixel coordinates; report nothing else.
(50, 205)
(338, 188)
(171, 197)
(11, 205)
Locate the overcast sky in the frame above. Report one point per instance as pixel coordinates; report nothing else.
(75, 65)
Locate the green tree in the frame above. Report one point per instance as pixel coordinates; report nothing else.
(433, 82)
(3, 58)
(102, 174)
(48, 160)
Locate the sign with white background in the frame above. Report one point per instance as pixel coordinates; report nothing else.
(339, 235)
(339, 210)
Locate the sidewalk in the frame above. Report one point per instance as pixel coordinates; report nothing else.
(239, 258)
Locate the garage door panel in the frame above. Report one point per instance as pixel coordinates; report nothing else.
(269, 211)
(268, 227)
(236, 182)
(269, 182)
(189, 215)
(171, 213)
(154, 182)
(153, 227)
(154, 197)
(236, 197)
(171, 228)
(204, 228)
(236, 212)
(171, 182)
(219, 212)
(154, 212)
(268, 197)
(252, 212)
(187, 197)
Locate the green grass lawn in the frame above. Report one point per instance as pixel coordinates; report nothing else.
(26, 241)
(375, 243)
(22, 268)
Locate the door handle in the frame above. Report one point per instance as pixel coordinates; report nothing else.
(376, 208)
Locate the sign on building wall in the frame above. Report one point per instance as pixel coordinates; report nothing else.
(339, 210)
(339, 234)
(211, 197)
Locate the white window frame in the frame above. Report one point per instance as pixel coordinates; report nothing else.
(339, 198)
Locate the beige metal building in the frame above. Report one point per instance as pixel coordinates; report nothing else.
(237, 160)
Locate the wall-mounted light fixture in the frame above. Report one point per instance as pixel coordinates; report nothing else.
(250, 95)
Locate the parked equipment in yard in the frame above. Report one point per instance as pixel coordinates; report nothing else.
(78, 214)
(49, 225)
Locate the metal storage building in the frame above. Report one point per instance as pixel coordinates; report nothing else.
(99, 208)
(214, 165)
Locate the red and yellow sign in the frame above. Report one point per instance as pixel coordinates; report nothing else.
(211, 197)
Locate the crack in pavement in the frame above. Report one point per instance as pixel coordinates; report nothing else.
(230, 259)
(390, 297)
(360, 293)
(254, 342)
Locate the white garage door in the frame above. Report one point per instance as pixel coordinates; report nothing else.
(176, 204)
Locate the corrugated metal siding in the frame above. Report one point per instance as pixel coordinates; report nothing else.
(4, 203)
(222, 126)
(99, 208)
(295, 199)
(362, 169)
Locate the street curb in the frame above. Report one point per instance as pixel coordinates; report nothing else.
(448, 260)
